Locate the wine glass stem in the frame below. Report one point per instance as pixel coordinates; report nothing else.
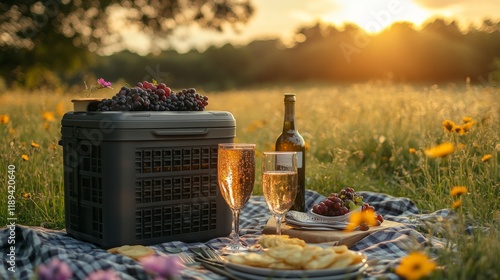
(278, 223)
(236, 221)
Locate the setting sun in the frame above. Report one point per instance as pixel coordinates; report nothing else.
(374, 16)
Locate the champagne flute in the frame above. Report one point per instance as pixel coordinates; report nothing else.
(279, 183)
(236, 177)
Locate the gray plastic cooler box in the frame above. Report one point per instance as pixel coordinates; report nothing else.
(144, 177)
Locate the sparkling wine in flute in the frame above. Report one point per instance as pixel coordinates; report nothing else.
(279, 183)
(236, 176)
(280, 190)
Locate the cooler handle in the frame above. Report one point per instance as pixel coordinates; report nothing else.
(181, 132)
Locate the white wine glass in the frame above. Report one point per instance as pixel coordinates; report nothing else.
(279, 183)
(236, 177)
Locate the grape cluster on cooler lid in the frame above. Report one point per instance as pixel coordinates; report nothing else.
(146, 96)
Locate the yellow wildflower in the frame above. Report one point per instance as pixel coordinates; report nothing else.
(415, 266)
(4, 119)
(457, 204)
(459, 129)
(467, 120)
(448, 125)
(458, 191)
(26, 195)
(441, 150)
(486, 157)
(359, 217)
(34, 145)
(467, 126)
(412, 150)
(25, 157)
(48, 116)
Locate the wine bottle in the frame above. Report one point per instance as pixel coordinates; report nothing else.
(291, 140)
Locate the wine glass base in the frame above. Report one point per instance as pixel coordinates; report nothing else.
(234, 248)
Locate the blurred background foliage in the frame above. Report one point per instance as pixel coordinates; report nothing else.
(55, 42)
(438, 53)
(46, 42)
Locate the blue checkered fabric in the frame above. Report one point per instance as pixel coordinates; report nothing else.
(384, 248)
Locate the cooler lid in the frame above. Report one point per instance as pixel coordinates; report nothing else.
(149, 119)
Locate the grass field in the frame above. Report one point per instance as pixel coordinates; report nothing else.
(370, 136)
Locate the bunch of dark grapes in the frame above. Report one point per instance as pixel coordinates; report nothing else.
(146, 96)
(339, 204)
(344, 202)
(379, 218)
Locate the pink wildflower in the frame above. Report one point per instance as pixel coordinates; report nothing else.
(162, 267)
(103, 83)
(103, 275)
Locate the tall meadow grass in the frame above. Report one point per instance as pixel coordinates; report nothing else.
(368, 136)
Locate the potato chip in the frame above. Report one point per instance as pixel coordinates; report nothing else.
(301, 257)
(339, 249)
(135, 252)
(343, 260)
(268, 241)
(284, 251)
(260, 260)
(281, 265)
(237, 258)
(322, 259)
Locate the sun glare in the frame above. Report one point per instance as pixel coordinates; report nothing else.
(376, 15)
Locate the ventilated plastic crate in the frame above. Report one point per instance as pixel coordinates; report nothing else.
(144, 177)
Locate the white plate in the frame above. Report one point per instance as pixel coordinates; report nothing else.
(343, 276)
(343, 218)
(267, 272)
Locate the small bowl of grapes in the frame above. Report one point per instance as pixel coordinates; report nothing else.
(338, 206)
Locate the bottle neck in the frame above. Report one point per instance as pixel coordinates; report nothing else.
(289, 121)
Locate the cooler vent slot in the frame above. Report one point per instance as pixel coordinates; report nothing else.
(175, 159)
(85, 187)
(175, 220)
(174, 188)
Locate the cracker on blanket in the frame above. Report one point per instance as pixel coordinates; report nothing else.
(135, 252)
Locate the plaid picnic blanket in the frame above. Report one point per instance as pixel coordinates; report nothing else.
(35, 246)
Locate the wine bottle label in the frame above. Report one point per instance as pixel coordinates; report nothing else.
(284, 160)
(299, 159)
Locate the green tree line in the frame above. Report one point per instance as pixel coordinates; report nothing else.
(438, 52)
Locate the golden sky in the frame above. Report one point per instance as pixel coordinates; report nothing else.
(281, 18)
